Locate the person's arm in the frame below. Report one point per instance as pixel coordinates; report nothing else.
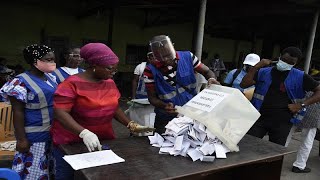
(248, 79)
(207, 73)
(156, 102)
(131, 125)
(309, 84)
(23, 144)
(314, 98)
(135, 81)
(121, 117)
(67, 121)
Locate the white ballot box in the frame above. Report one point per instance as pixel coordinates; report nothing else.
(142, 112)
(225, 111)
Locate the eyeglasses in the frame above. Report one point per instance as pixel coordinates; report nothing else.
(76, 56)
(111, 69)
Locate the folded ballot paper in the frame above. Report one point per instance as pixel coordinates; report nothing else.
(210, 125)
(187, 137)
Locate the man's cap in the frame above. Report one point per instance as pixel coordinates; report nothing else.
(251, 59)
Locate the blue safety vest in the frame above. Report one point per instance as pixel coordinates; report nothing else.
(38, 113)
(185, 88)
(62, 75)
(293, 84)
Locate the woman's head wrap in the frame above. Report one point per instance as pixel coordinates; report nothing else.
(98, 54)
(35, 52)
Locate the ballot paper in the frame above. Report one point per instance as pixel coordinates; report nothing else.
(187, 137)
(92, 159)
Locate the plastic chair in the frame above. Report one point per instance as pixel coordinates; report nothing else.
(9, 174)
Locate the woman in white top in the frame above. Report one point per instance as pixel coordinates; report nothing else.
(72, 60)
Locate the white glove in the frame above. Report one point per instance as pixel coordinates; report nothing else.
(90, 140)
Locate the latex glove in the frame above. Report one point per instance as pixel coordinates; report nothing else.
(90, 140)
(137, 128)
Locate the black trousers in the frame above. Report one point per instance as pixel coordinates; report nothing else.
(277, 126)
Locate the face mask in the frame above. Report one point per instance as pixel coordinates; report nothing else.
(283, 66)
(45, 67)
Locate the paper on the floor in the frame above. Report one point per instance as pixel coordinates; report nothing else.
(92, 159)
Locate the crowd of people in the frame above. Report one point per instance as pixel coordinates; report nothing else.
(68, 104)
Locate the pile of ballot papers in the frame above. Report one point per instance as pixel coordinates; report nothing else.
(187, 137)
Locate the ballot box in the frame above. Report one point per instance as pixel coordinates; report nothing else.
(225, 111)
(142, 112)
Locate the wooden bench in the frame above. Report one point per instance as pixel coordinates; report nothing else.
(6, 129)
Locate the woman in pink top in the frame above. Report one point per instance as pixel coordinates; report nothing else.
(85, 105)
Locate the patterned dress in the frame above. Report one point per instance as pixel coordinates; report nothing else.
(38, 163)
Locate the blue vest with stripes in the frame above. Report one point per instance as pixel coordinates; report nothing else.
(184, 77)
(62, 73)
(38, 112)
(293, 84)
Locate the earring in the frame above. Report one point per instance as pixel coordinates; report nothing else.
(94, 69)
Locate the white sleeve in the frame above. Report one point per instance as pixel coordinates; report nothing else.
(136, 70)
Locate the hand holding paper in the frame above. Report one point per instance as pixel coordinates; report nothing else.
(137, 128)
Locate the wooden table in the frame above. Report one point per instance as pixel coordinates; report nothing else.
(257, 159)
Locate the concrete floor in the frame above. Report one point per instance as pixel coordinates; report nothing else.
(313, 162)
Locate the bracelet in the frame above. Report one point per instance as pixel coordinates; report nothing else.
(128, 126)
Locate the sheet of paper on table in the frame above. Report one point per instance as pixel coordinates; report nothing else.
(92, 159)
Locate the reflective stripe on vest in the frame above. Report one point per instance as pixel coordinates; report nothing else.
(300, 117)
(174, 93)
(58, 73)
(258, 96)
(43, 107)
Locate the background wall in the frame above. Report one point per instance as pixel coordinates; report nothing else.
(23, 25)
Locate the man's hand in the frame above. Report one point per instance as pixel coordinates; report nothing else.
(263, 63)
(294, 108)
(23, 145)
(213, 81)
(170, 109)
